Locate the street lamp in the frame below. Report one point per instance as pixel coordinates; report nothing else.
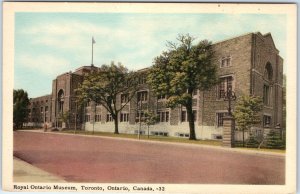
(229, 96)
(140, 115)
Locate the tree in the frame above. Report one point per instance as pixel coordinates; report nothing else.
(150, 119)
(64, 117)
(180, 71)
(274, 141)
(105, 85)
(246, 113)
(20, 112)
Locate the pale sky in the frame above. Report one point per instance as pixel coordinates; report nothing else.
(50, 44)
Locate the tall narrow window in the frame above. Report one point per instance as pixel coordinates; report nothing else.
(225, 62)
(142, 96)
(124, 98)
(226, 83)
(266, 95)
(195, 115)
(163, 116)
(267, 121)
(109, 118)
(161, 97)
(97, 118)
(183, 116)
(124, 117)
(220, 117)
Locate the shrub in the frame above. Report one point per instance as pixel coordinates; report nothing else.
(252, 142)
(274, 141)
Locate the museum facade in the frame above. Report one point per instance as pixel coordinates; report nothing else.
(249, 64)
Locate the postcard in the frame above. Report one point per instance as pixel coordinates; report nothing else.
(149, 97)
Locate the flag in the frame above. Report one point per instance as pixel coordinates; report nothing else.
(93, 41)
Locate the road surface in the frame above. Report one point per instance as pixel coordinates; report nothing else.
(112, 160)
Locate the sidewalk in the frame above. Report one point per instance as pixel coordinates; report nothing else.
(25, 172)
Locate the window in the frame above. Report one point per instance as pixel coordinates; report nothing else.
(98, 103)
(42, 108)
(195, 115)
(142, 96)
(46, 108)
(225, 62)
(163, 116)
(182, 134)
(161, 97)
(268, 74)
(88, 103)
(97, 118)
(195, 92)
(142, 79)
(124, 98)
(87, 118)
(183, 116)
(225, 84)
(159, 133)
(124, 117)
(109, 118)
(266, 95)
(220, 117)
(138, 115)
(267, 121)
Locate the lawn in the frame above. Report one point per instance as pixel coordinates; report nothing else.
(145, 137)
(168, 139)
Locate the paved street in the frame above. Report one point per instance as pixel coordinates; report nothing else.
(97, 159)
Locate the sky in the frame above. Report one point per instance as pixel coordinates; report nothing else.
(50, 44)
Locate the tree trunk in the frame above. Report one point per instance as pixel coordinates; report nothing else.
(116, 124)
(189, 109)
(243, 137)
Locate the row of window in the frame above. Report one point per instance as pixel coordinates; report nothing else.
(226, 84)
(142, 96)
(163, 116)
(38, 102)
(221, 115)
(34, 110)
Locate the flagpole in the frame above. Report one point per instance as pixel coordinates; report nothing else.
(92, 51)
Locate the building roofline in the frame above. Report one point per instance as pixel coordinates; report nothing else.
(231, 38)
(47, 95)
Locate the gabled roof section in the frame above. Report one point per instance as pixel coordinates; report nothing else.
(268, 39)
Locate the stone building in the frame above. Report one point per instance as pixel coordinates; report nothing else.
(39, 111)
(248, 64)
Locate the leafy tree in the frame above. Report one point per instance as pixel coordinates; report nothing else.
(247, 111)
(150, 119)
(105, 85)
(180, 71)
(21, 102)
(64, 117)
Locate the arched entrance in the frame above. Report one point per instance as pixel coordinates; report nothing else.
(60, 105)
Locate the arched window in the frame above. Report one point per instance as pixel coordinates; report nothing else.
(268, 74)
(60, 97)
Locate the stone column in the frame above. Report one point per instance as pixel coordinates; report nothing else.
(228, 131)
